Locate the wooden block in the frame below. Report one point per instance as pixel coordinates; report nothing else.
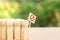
(3, 29)
(24, 30)
(0, 31)
(9, 29)
(17, 29)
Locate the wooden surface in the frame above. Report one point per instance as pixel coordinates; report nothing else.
(44, 33)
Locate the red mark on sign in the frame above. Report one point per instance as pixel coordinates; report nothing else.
(32, 18)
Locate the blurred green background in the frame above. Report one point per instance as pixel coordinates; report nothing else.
(46, 11)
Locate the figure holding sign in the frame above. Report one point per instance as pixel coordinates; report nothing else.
(31, 18)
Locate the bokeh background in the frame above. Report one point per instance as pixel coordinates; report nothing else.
(46, 11)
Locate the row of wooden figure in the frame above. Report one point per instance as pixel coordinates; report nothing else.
(14, 29)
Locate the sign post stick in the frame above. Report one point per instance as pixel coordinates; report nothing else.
(29, 24)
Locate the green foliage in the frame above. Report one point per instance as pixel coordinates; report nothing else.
(44, 10)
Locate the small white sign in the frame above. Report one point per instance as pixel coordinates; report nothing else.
(32, 18)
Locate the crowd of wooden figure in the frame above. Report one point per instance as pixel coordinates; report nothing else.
(14, 29)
